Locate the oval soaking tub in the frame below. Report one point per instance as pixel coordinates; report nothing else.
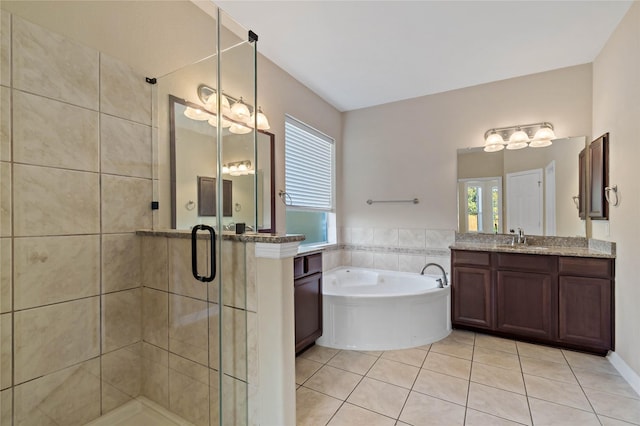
(367, 309)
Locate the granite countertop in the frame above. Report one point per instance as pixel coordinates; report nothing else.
(248, 237)
(529, 249)
(552, 246)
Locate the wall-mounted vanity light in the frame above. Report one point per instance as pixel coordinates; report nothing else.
(535, 135)
(238, 168)
(239, 117)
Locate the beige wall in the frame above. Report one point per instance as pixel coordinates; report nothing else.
(408, 149)
(616, 90)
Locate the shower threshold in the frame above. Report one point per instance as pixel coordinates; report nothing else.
(139, 412)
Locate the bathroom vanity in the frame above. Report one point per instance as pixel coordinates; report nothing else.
(307, 284)
(561, 296)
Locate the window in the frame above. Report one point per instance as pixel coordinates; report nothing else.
(309, 182)
(483, 205)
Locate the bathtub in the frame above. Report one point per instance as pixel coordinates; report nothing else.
(365, 309)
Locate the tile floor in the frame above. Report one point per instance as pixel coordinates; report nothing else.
(465, 379)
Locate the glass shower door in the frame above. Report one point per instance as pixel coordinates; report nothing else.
(210, 182)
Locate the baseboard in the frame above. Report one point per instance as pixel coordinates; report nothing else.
(625, 371)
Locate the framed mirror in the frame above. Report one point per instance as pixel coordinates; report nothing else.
(532, 188)
(193, 167)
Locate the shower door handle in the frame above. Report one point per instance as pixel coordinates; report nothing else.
(194, 253)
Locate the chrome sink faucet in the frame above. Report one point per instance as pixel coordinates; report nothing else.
(443, 281)
(518, 238)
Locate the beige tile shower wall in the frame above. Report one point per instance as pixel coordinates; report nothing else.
(393, 249)
(75, 185)
(180, 317)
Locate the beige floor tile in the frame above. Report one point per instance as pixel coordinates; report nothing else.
(424, 348)
(319, 353)
(394, 372)
(508, 405)
(569, 394)
(442, 386)
(355, 362)
(372, 353)
(502, 378)
(453, 348)
(589, 362)
(478, 418)
(333, 382)
(547, 414)
(614, 406)
(352, 415)
(424, 410)
(413, 357)
(380, 397)
(496, 343)
(314, 408)
(305, 368)
(463, 336)
(608, 421)
(606, 382)
(547, 369)
(541, 352)
(446, 364)
(496, 358)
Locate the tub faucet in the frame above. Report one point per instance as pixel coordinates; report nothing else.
(443, 282)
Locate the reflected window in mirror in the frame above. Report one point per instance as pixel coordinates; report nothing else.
(483, 201)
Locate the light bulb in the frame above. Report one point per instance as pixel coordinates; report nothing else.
(214, 122)
(239, 129)
(518, 137)
(263, 122)
(196, 114)
(211, 104)
(494, 147)
(543, 137)
(239, 111)
(225, 169)
(494, 139)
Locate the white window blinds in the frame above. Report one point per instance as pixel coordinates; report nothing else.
(308, 166)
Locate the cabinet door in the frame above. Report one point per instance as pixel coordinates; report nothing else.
(308, 310)
(525, 304)
(585, 311)
(471, 292)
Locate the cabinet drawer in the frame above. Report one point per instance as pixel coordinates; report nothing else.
(586, 267)
(526, 262)
(307, 264)
(313, 263)
(298, 267)
(479, 258)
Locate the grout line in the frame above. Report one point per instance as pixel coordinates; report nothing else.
(524, 384)
(466, 402)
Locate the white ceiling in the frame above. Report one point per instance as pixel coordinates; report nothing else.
(356, 54)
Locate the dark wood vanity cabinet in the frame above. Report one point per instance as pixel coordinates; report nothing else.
(585, 311)
(472, 296)
(307, 282)
(563, 301)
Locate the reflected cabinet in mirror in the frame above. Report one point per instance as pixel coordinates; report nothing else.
(193, 152)
(535, 189)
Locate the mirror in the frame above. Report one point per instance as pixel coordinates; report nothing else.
(193, 170)
(532, 188)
